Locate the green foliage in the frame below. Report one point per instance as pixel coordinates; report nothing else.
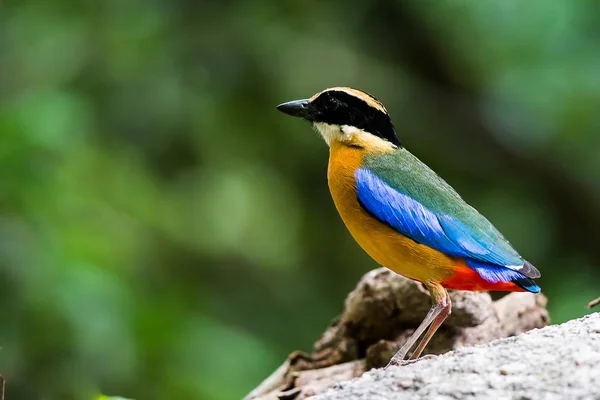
(165, 233)
(102, 397)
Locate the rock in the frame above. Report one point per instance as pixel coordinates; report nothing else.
(379, 315)
(556, 362)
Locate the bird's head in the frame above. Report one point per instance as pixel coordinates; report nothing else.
(347, 116)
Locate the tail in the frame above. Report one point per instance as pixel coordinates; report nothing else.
(497, 274)
(527, 284)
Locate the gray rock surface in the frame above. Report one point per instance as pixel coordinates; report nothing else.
(559, 362)
(379, 315)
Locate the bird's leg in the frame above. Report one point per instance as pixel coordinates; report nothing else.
(398, 358)
(436, 315)
(435, 324)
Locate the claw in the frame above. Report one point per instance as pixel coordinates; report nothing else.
(402, 363)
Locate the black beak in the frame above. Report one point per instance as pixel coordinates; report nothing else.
(296, 108)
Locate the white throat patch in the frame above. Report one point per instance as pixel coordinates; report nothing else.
(351, 135)
(329, 132)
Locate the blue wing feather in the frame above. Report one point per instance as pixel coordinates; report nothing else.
(402, 212)
(439, 231)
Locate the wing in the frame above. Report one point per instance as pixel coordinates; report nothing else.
(404, 193)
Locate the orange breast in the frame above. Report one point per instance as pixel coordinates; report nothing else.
(385, 245)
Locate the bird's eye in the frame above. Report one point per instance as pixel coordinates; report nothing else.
(333, 102)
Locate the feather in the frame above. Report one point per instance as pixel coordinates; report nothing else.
(494, 274)
(404, 173)
(469, 236)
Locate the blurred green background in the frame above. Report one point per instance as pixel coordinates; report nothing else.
(165, 233)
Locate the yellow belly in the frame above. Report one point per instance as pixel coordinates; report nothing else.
(385, 245)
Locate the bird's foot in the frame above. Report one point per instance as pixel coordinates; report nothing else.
(401, 363)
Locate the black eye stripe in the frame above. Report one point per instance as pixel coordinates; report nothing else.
(341, 108)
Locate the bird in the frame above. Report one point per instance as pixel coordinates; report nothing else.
(405, 216)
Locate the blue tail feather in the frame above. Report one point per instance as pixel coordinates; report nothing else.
(494, 273)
